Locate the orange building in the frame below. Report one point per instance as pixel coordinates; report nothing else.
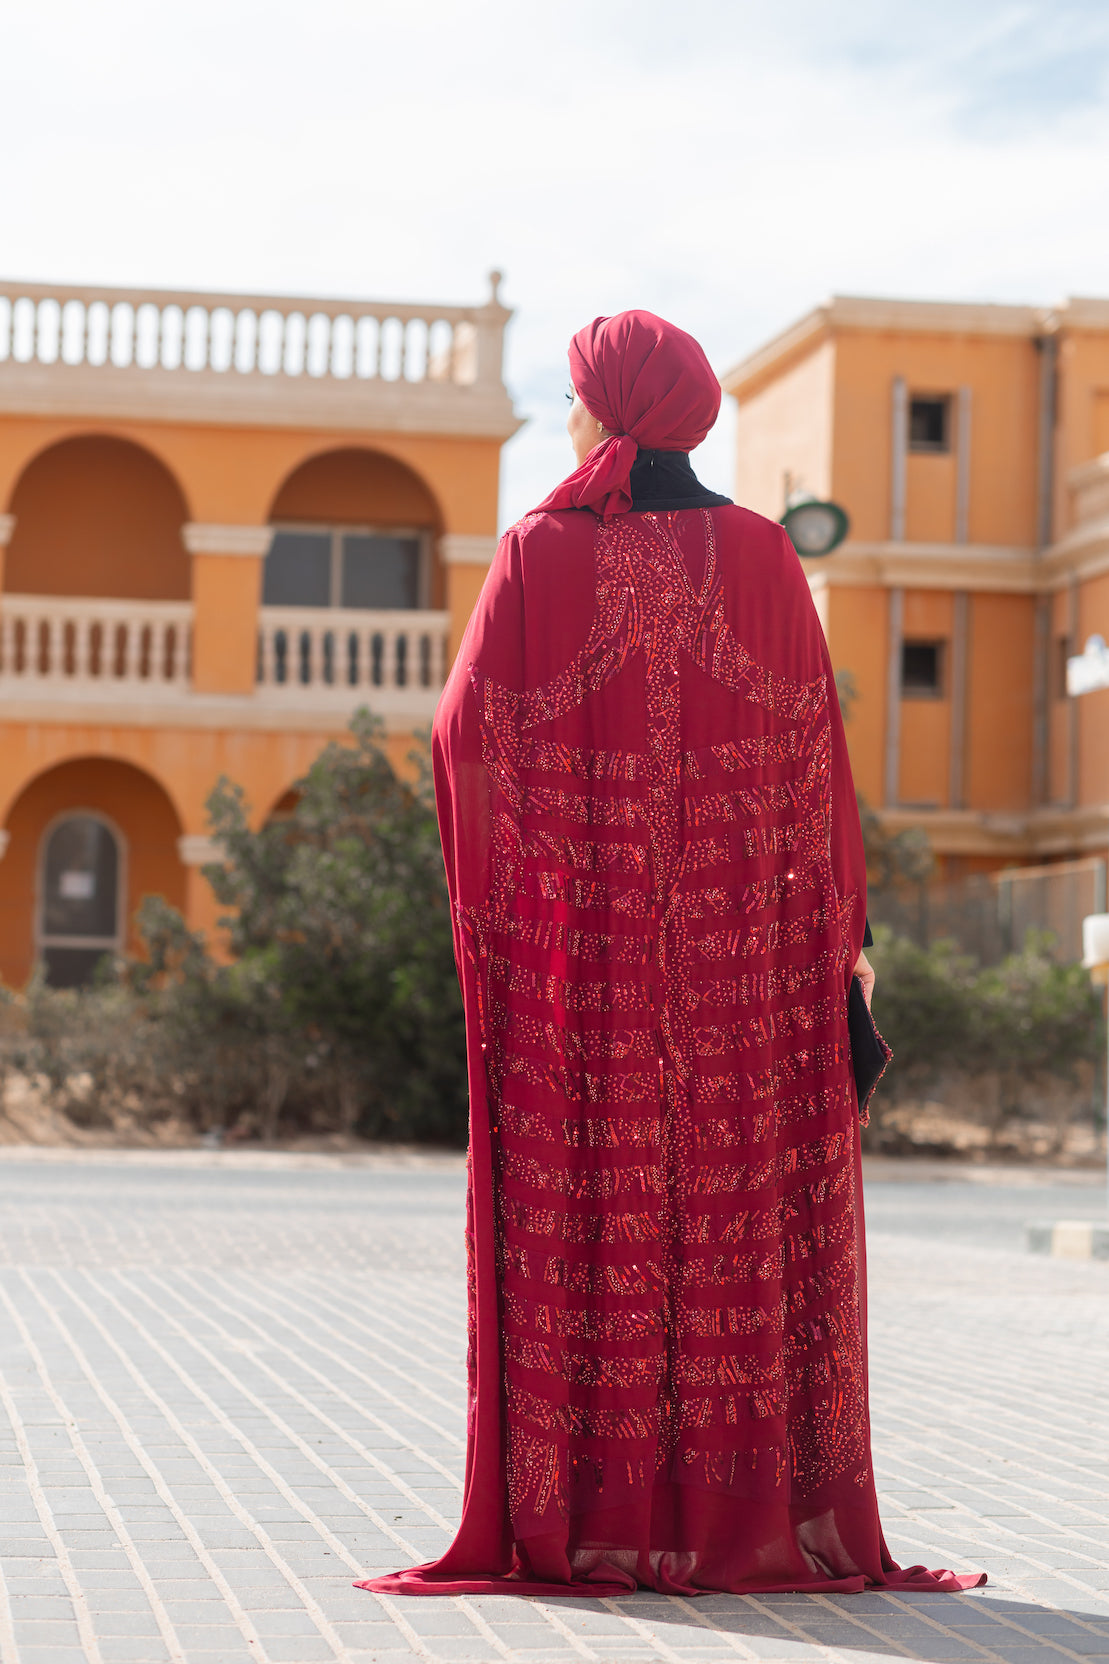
(228, 522)
(969, 444)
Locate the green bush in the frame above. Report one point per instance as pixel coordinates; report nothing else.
(339, 1009)
(942, 1013)
(342, 939)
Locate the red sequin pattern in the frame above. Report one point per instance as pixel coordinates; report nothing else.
(667, 1066)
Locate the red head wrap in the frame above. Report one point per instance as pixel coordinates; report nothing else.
(650, 385)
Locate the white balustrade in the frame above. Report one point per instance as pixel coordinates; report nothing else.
(308, 650)
(253, 335)
(75, 642)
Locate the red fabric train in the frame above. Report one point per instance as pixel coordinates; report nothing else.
(659, 891)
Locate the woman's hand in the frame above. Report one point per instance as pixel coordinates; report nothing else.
(864, 970)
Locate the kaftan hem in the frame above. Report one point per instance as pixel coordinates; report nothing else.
(658, 888)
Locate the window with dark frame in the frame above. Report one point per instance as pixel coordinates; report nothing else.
(922, 669)
(345, 566)
(79, 899)
(930, 422)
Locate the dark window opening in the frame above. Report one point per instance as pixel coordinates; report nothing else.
(922, 669)
(380, 572)
(298, 570)
(339, 567)
(79, 899)
(930, 424)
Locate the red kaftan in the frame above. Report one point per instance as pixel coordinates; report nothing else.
(657, 874)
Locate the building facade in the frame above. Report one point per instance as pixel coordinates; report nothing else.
(226, 523)
(969, 444)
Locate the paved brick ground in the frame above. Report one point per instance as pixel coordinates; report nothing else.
(229, 1386)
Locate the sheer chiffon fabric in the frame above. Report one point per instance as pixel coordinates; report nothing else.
(658, 884)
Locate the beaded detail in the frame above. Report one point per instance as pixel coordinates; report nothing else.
(668, 1073)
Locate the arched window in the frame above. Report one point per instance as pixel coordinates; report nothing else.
(80, 891)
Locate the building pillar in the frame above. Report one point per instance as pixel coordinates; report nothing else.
(227, 591)
(1048, 345)
(202, 910)
(893, 698)
(466, 558)
(962, 467)
(7, 527)
(899, 451)
(1041, 699)
(956, 791)
(1072, 704)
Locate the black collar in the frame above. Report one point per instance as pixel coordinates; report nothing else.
(665, 479)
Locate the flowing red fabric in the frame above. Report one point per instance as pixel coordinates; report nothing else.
(657, 875)
(648, 383)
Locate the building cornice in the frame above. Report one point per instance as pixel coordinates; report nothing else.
(467, 548)
(860, 312)
(927, 566)
(1084, 312)
(201, 538)
(766, 361)
(1052, 830)
(215, 398)
(1081, 553)
(270, 710)
(936, 317)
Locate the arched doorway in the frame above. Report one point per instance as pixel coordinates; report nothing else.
(78, 911)
(98, 516)
(79, 832)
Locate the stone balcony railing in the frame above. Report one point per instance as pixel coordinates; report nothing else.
(321, 652)
(279, 359)
(311, 661)
(76, 644)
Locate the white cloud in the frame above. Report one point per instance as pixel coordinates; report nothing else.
(724, 163)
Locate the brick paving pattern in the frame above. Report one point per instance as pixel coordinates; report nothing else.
(230, 1385)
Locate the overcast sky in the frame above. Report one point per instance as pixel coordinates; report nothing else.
(727, 163)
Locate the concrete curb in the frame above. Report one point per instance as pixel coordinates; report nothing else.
(1069, 1239)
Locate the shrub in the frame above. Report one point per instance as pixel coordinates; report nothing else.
(922, 1003)
(940, 1010)
(339, 1009)
(341, 935)
(1017, 1041)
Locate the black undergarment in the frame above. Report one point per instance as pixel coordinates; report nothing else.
(665, 479)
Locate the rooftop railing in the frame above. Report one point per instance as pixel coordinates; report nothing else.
(253, 335)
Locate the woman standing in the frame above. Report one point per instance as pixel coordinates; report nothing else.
(659, 897)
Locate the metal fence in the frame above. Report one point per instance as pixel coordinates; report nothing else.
(989, 916)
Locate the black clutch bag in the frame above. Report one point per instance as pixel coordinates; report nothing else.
(869, 1052)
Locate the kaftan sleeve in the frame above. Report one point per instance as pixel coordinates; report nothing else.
(463, 785)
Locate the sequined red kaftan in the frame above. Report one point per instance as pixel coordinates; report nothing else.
(657, 874)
